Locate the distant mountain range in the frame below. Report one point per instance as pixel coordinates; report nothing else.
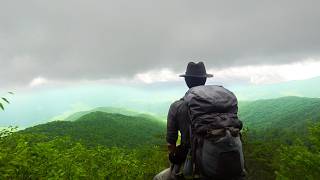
(279, 119)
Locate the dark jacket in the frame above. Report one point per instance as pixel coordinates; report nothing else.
(178, 120)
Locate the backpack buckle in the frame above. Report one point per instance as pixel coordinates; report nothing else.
(216, 132)
(234, 131)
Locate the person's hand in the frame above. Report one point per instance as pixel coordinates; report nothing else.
(179, 155)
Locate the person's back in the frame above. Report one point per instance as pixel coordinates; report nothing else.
(179, 119)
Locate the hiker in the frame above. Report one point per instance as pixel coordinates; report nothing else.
(210, 146)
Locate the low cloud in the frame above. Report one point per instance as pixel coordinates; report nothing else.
(38, 81)
(253, 74)
(153, 76)
(79, 40)
(268, 74)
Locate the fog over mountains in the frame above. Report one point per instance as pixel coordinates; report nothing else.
(42, 105)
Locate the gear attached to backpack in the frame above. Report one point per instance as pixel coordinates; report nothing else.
(216, 148)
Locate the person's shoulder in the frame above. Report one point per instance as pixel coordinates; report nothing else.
(176, 104)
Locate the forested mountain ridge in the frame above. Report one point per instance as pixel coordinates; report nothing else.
(110, 129)
(280, 117)
(266, 119)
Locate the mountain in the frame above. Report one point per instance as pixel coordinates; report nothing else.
(113, 110)
(277, 117)
(108, 129)
(267, 119)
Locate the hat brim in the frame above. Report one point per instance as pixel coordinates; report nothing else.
(200, 76)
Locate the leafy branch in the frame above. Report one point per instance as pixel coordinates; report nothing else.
(4, 100)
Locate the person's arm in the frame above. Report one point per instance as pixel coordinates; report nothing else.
(172, 128)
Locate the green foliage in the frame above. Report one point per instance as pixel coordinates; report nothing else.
(258, 157)
(30, 156)
(98, 145)
(277, 132)
(1, 106)
(278, 160)
(4, 100)
(302, 159)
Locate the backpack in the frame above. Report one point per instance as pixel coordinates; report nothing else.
(216, 148)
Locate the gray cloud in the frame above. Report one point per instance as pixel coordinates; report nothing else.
(101, 39)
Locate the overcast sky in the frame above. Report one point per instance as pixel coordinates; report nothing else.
(148, 41)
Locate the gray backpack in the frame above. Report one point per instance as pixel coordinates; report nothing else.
(216, 148)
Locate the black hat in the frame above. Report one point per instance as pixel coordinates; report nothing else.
(196, 70)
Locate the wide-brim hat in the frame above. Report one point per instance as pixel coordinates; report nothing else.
(196, 70)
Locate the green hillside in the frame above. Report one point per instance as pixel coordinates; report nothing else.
(274, 118)
(108, 129)
(123, 111)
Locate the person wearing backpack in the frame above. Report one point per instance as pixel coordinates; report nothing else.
(210, 145)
